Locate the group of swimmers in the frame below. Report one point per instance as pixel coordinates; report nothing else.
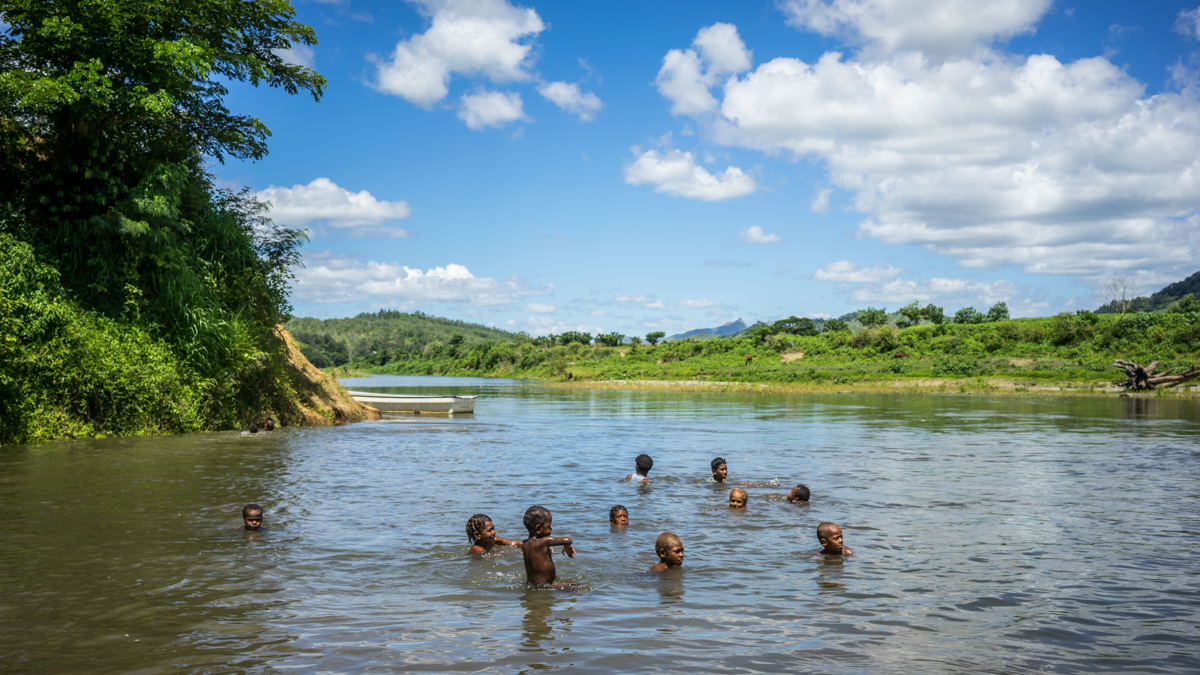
(537, 549)
(268, 425)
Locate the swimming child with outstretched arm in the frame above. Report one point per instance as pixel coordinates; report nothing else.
(482, 534)
(539, 565)
(830, 536)
(669, 548)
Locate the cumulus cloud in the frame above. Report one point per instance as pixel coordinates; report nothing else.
(755, 235)
(686, 76)
(990, 159)
(299, 54)
(845, 271)
(571, 99)
(539, 307)
(544, 325)
(937, 27)
(1188, 23)
(676, 173)
(491, 109)
(328, 277)
(960, 291)
(484, 38)
(324, 201)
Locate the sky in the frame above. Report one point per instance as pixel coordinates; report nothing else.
(633, 167)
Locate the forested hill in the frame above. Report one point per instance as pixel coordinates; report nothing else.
(332, 342)
(1161, 300)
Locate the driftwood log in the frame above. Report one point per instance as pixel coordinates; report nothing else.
(1144, 378)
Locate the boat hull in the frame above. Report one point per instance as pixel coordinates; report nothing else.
(401, 403)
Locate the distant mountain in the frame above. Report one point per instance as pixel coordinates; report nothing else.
(1161, 300)
(732, 328)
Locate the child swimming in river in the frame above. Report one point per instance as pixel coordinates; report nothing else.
(252, 517)
(669, 548)
(643, 464)
(797, 495)
(830, 536)
(539, 565)
(738, 498)
(618, 516)
(720, 471)
(482, 534)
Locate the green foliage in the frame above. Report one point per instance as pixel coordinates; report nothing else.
(912, 313)
(969, 315)
(390, 331)
(934, 314)
(1187, 303)
(998, 312)
(570, 336)
(610, 339)
(872, 317)
(654, 337)
(795, 326)
(836, 325)
(321, 350)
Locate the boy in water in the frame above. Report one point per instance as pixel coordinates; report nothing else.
(252, 516)
(482, 534)
(830, 536)
(720, 471)
(539, 565)
(738, 498)
(798, 494)
(643, 464)
(669, 548)
(618, 516)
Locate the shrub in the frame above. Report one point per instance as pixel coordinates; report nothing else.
(955, 368)
(872, 317)
(968, 315)
(998, 312)
(836, 326)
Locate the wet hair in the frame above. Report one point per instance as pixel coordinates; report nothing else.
(253, 428)
(534, 516)
(612, 513)
(825, 529)
(717, 462)
(475, 526)
(269, 425)
(251, 508)
(644, 464)
(802, 492)
(734, 491)
(665, 540)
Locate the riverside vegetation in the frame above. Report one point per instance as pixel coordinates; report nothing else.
(925, 350)
(136, 297)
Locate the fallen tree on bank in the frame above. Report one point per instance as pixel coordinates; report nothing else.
(1143, 378)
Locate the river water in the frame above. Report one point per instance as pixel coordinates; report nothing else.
(993, 535)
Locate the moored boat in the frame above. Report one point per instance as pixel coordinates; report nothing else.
(416, 403)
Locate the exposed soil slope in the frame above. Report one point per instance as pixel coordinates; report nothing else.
(320, 399)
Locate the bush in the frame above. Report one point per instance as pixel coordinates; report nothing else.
(872, 317)
(968, 315)
(836, 326)
(998, 312)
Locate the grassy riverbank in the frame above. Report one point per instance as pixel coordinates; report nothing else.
(1065, 352)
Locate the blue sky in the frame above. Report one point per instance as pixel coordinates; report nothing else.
(632, 167)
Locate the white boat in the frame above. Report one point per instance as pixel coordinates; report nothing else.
(415, 403)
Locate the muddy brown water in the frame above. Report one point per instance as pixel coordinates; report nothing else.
(994, 535)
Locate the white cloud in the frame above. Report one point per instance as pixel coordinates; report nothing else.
(845, 271)
(993, 160)
(467, 37)
(539, 307)
(657, 304)
(491, 109)
(935, 27)
(697, 304)
(685, 76)
(571, 99)
(755, 235)
(676, 173)
(323, 200)
(298, 54)
(544, 325)
(328, 277)
(901, 292)
(626, 298)
(820, 202)
(1188, 23)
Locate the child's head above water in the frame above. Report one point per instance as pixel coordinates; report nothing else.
(720, 469)
(830, 536)
(669, 548)
(252, 516)
(738, 498)
(798, 494)
(480, 529)
(535, 517)
(618, 515)
(644, 464)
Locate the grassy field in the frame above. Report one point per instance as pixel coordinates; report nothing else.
(1072, 352)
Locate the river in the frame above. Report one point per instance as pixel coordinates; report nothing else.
(992, 535)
